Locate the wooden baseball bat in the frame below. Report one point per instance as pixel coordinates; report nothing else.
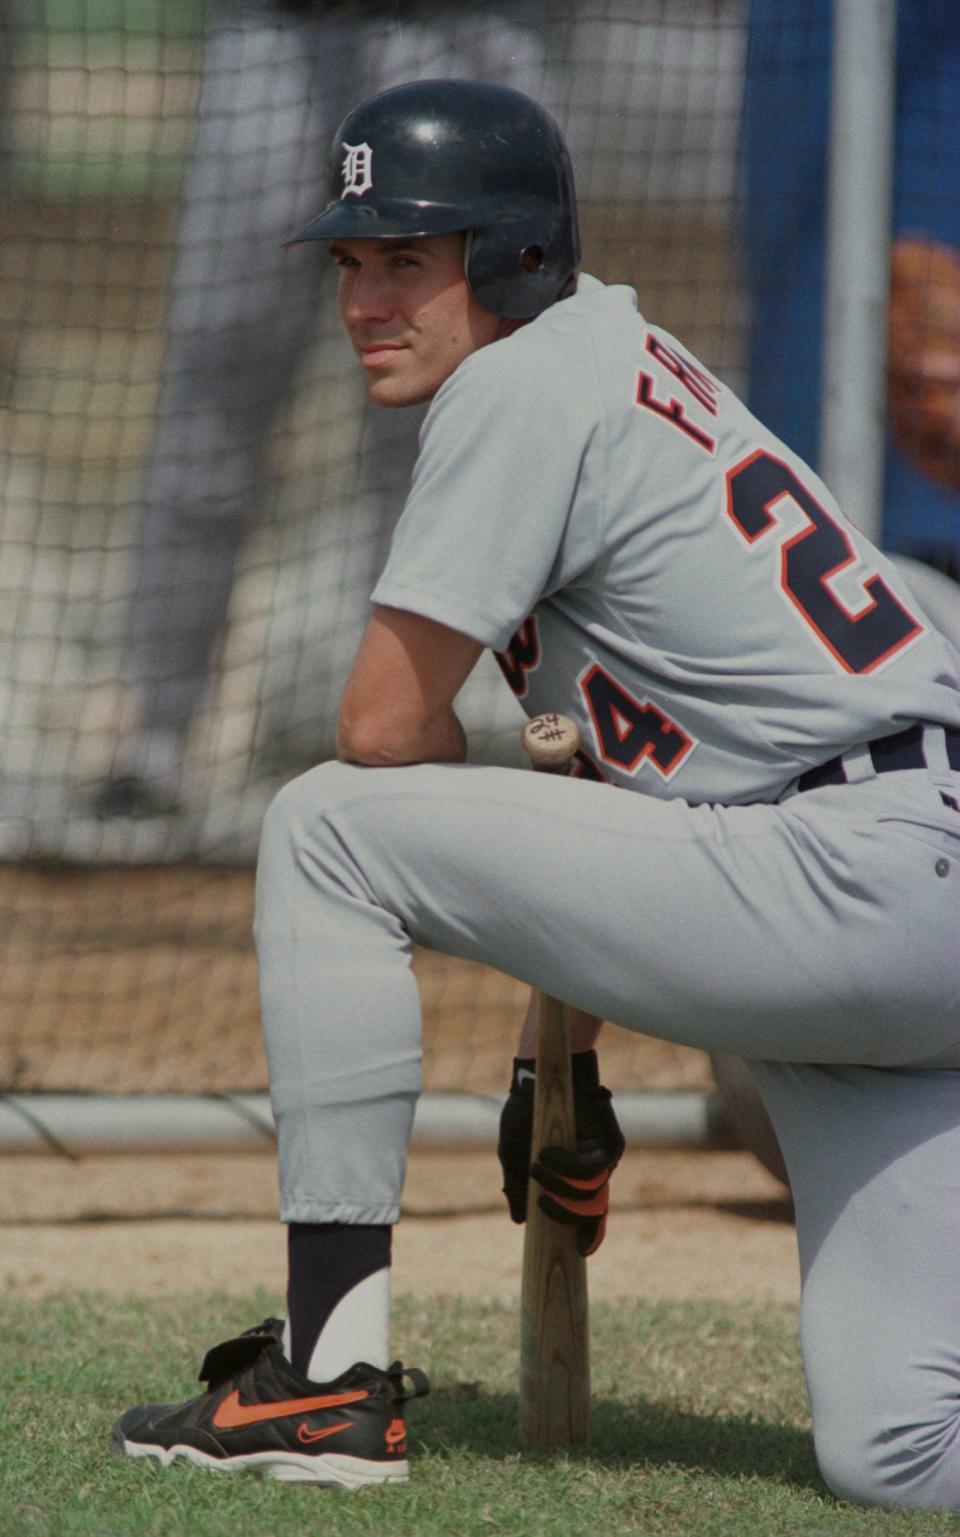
(554, 1333)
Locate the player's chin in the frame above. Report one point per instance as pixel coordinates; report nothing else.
(395, 390)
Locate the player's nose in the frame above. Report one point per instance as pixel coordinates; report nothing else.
(368, 297)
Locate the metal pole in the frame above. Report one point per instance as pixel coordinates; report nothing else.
(76, 1125)
(858, 257)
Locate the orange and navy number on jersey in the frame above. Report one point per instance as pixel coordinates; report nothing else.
(763, 491)
(522, 655)
(631, 732)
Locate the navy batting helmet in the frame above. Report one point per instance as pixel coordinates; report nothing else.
(437, 156)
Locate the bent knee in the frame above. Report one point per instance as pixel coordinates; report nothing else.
(302, 802)
(300, 811)
(917, 1468)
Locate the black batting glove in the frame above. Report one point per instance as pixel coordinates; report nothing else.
(516, 1135)
(575, 1184)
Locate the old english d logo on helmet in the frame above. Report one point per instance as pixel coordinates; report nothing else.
(460, 155)
(357, 169)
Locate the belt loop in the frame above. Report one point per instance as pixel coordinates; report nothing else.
(858, 764)
(935, 749)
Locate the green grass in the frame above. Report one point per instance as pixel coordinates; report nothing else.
(700, 1429)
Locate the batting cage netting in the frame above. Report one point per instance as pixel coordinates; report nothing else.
(194, 503)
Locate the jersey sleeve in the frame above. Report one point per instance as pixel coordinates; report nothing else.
(487, 529)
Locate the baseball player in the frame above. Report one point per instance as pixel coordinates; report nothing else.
(759, 854)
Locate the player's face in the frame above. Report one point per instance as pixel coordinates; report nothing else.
(409, 313)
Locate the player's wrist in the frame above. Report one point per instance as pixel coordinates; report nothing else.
(584, 1073)
(523, 1077)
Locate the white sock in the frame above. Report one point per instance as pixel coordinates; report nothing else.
(358, 1329)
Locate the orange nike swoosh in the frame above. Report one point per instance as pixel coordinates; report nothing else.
(231, 1413)
(306, 1436)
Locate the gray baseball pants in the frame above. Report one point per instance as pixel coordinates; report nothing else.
(817, 937)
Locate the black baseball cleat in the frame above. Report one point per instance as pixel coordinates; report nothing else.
(262, 1415)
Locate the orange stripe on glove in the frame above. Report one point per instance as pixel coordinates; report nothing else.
(576, 1189)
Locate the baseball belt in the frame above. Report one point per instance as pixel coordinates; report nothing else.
(888, 754)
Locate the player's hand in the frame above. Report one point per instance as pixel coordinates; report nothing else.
(575, 1184)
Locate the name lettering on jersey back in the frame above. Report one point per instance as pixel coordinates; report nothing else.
(703, 392)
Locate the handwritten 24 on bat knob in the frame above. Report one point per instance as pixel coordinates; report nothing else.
(551, 741)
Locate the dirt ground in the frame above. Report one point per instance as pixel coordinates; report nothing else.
(701, 1224)
(107, 973)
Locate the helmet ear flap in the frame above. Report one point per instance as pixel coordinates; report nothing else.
(517, 270)
(490, 266)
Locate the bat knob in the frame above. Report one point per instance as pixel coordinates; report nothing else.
(551, 740)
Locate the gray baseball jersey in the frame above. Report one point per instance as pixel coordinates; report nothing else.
(594, 505)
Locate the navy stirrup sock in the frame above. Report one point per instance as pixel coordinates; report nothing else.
(326, 1261)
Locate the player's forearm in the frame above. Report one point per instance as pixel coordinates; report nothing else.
(584, 1029)
(377, 743)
